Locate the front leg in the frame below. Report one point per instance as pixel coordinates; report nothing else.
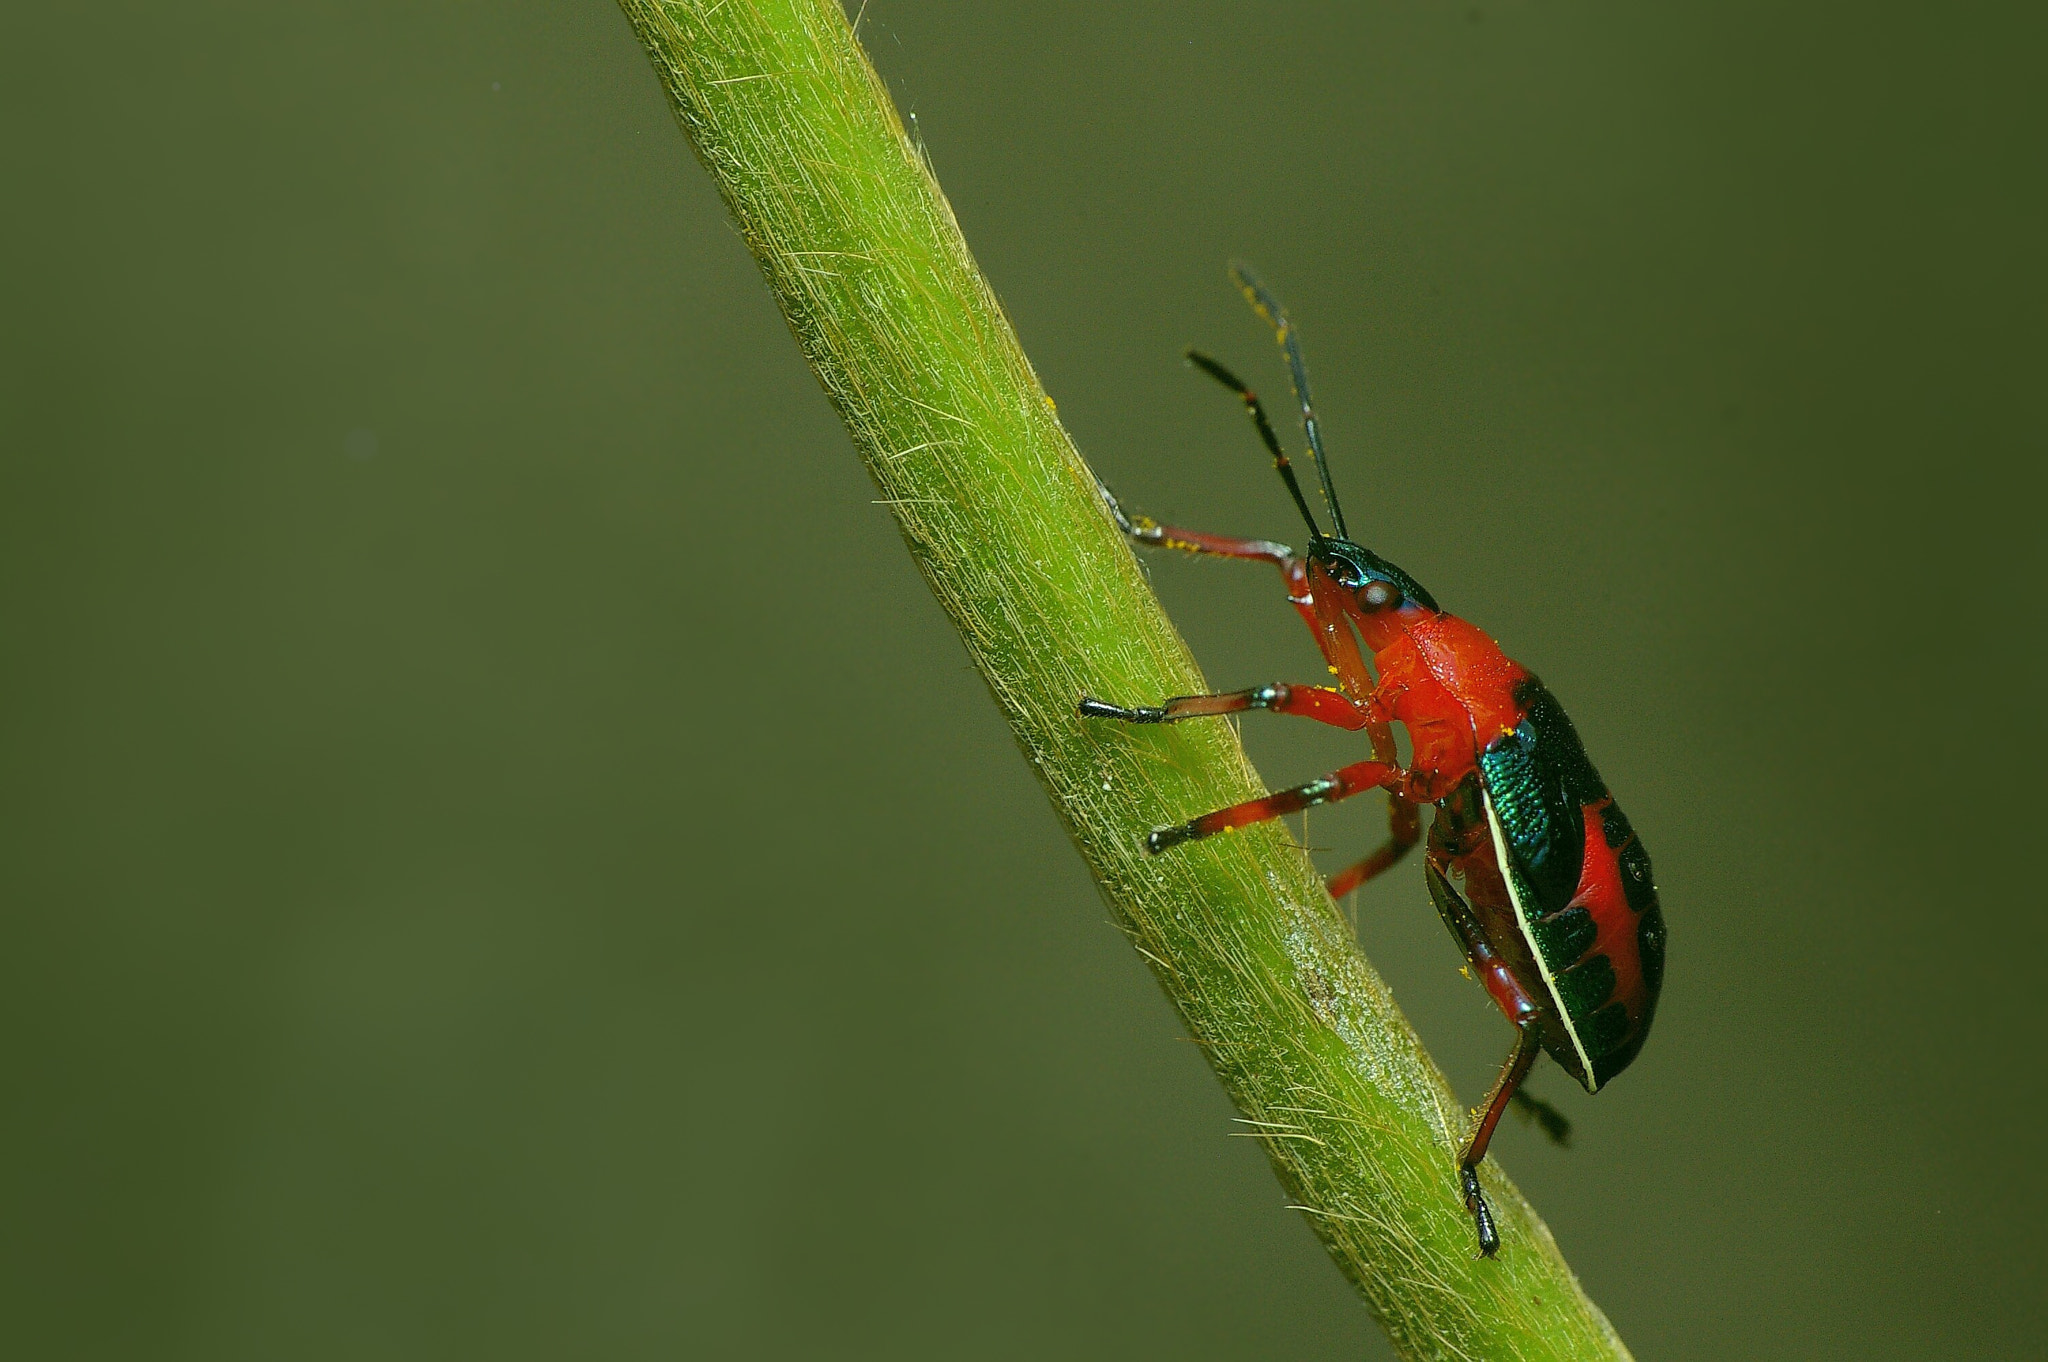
(1149, 533)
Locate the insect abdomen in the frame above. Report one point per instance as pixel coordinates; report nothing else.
(1584, 891)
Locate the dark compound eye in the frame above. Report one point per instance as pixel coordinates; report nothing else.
(1380, 596)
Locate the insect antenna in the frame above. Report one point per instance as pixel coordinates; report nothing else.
(1265, 428)
(1268, 307)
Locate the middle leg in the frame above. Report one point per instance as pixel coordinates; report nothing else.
(1321, 703)
(1339, 784)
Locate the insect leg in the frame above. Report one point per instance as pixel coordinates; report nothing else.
(1500, 982)
(1527, 1047)
(1404, 829)
(1149, 533)
(1339, 784)
(1520, 1008)
(1320, 703)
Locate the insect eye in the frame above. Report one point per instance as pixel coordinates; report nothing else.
(1380, 595)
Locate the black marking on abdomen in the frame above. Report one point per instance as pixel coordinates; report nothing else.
(1650, 947)
(1606, 1030)
(1566, 937)
(1586, 987)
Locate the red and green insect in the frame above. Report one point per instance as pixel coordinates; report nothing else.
(1558, 910)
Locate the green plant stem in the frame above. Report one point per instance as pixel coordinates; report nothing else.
(863, 254)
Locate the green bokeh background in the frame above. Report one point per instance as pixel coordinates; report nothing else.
(502, 857)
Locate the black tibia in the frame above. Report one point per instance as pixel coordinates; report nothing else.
(1309, 702)
(1527, 1047)
(1549, 1119)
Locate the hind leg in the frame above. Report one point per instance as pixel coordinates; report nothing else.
(1524, 1011)
(1520, 1060)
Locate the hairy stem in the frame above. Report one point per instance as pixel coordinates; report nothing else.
(869, 267)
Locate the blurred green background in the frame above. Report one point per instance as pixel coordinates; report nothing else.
(502, 856)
